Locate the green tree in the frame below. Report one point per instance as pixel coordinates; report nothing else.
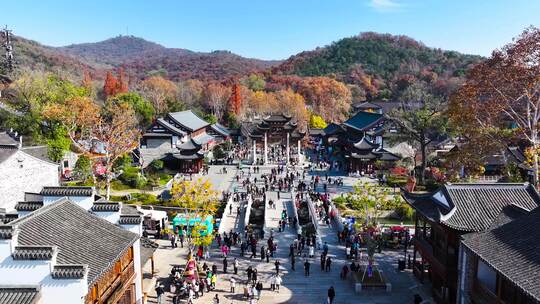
(83, 167)
(210, 118)
(420, 116)
(254, 82)
(58, 144)
(143, 108)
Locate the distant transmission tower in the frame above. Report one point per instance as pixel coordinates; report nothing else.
(7, 63)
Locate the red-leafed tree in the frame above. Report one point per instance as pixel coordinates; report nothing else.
(111, 85)
(122, 82)
(235, 100)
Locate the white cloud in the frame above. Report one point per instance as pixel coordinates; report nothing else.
(384, 5)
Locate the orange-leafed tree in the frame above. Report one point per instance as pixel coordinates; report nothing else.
(293, 104)
(502, 94)
(159, 91)
(326, 96)
(87, 81)
(105, 133)
(111, 85)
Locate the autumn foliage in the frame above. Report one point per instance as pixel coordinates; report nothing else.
(113, 85)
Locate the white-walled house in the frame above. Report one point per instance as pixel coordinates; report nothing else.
(62, 253)
(22, 172)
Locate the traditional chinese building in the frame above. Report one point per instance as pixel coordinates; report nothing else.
(61, 253)
(502, 264)
(455, 210)
(21, 171)
(359, 142)
(171, 138)
(273, 129)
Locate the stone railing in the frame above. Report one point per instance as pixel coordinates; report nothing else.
(295, 210)
(248, 210)
(221, 228)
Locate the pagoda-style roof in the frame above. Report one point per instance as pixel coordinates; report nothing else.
(386, 155)
(364, 156)
(188, 120)
(363, 121)
(365, 145)
(472, 207)
(273, 118)
(220, 129)
(168, 126)
(362, 106)
(189, 145)
(183, 155)
(511, 249)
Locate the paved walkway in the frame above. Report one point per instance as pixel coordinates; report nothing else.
(296, 288)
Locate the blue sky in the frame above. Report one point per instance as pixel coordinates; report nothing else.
(272, 29)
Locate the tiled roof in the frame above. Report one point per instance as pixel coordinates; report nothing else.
(162, 122)
(386, 155)
(69, 271)
(220, 129)
(365, 144)
(8, 217)
(105, 206)
(363, 121)
(28, 205)
(316, 132)
(6, 152)
(473, 207)
(130, 210)
(365, 105)
(189, 145)
(130, 219)
(203, 139)
(512, 250)
(18, 295)
(277, 118)
(30, 196)
(366, 156)
(6, 232)
(332, 128)
(8, 140)
(81, 237)
(67, 191)
(33, 252)
(38, 152)
(148, 247)
(188, 119)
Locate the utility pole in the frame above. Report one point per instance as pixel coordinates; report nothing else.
(7, 63)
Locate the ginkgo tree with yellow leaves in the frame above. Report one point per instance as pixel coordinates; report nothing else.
(197, 199)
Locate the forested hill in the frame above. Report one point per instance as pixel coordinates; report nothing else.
(139, 57)
(384, 57)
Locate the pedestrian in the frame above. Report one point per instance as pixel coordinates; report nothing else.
(323, 262)
(292, 262)
(331, 295)
(235, 266)
(254, 276)
(278, 282)
(306, 268)
(230, 209)
(276, 263)
(268, 254)
(325, 248)
(233, 285)
(225, 263)
(173, 241)
(311, 251)
(213, 281)
(159, 292)
(254, 292)
(259, 288)
(328, 264)
(216, 299)
(344, 272)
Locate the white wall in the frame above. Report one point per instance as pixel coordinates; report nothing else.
(111, 217)
(23, 272)
(24, 173)
(138, 271)
(133, 228)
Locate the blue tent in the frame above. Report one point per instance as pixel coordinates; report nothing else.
(183, 220)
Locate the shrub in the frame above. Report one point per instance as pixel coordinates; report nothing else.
(404, 211)
(157, 164)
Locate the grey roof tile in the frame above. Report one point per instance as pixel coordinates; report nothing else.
(105, 206)
(28, 205)
(69, 271)
(67, 191)
(19, 295)
(512, 250)
(188, 119)
(81, 237)
(6, 232)
(6, 152)
(130, 219)
(33, 252)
